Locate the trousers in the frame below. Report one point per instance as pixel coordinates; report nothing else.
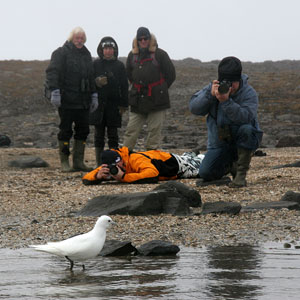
(217, 161)
(80, 118)
(154, 121)
(112, 135)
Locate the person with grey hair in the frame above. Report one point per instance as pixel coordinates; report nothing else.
(71, 81)
(151, 73)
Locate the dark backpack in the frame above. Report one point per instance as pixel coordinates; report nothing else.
(4, 140)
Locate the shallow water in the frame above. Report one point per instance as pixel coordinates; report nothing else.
(242, 272)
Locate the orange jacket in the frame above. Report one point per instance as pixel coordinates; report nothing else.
(141, 167)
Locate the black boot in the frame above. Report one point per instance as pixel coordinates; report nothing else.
(64, 152)
(243, 163)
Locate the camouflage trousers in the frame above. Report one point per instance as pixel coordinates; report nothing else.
(189, 164)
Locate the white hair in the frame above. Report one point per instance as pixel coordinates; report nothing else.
(75, 31)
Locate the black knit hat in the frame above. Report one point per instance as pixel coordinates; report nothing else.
(110, 157)
(230, 68)
(143, 31)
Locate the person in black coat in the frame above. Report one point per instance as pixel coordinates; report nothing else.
(112, 86)
(70, 77)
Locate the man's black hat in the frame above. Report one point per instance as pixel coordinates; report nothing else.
(230, 68)
(110, 157)
(143, 31)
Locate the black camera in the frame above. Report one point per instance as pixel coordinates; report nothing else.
(224, 86)
(113, 169)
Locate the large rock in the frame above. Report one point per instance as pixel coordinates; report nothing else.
(27, 161)
(137, 204)
(158, 247)
(192, 196)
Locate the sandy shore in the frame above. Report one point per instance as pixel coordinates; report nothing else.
(38, 205)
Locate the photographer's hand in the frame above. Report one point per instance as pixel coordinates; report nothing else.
(103, 173)
(214, 87)
(222, 97)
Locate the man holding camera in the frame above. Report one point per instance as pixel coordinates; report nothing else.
(230, 104)
(143, 167)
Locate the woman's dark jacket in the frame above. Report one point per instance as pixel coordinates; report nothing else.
(71, 71)
(115, 93)
(151, 73)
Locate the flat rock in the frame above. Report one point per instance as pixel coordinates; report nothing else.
(118, 248)
(27, 161)
(157, 248)
(223, 181)
(296, 164)
(221, 207)
(291, 196)
(289, 141)
(271, 205)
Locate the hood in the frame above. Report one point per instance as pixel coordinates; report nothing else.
(243, 84)
(124, 153)
(152, 46)
(100, 48)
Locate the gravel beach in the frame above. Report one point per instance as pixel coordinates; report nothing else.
(38, 205)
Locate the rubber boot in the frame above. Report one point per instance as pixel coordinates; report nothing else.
(78, 156)
(233, 169)
(243, 163)
(98, 152)
(64, 152)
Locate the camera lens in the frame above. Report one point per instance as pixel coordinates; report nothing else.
(113, 170)
(224, 87)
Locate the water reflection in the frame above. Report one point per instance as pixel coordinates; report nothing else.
(242, 272)
(233, 270)
(120, 277)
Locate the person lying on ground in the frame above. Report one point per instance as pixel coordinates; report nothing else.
(143, 167)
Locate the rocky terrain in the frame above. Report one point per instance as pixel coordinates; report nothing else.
(38, 204)
(30, 121)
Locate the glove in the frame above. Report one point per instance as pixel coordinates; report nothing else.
(94, 103)
(122, 109)
(55, 98)
(101, 81)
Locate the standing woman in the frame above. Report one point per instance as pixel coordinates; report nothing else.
(112, 86)
(70, 79)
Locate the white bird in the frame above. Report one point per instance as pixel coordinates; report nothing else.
(81, 247)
